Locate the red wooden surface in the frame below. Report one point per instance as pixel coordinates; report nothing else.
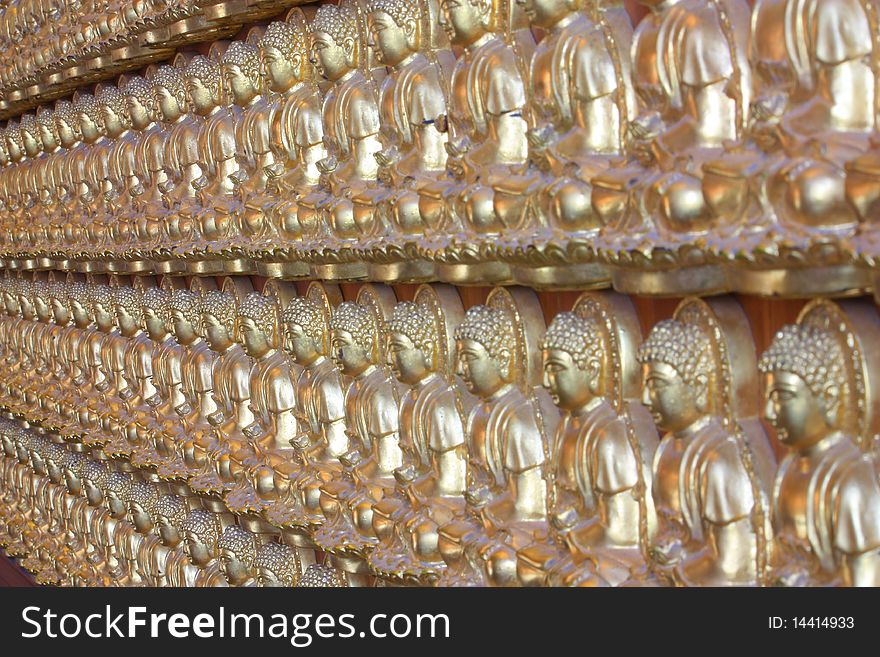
(11, 574)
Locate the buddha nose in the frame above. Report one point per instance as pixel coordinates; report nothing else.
(646, 396)
(769, 410)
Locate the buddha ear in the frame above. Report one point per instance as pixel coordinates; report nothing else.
(701, 392)
(593, 368)
(348, 47)
(831, 403)
(409, 27)
(504, 356)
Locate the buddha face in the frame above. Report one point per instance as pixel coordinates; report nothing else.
(59, 311)
(280, 72)
(216, 334)
(11, 303)
(330, 59)
(268, 579)
(674, 404)
(66, 133)
(349, 356)
(155, 324)
(140, 115)
(112, 121)
(184, 331)
(407, 362)
(167, 104)
(94, 494)
(801, 417)
(140, 518)
(54, 471)
(47, 137)
(238, 83)
(478, 370)
(196, 549)
(463, 20)
(570, 386)
(167, 531)
(546, 13)
(115, 504)
(80, 314)
(234, 569)
(256, 342)
(88, 128)
(300, 344)
(127, 323)
(13, 149)
(72, 482)
(32, 144)
(394, 42)
(41, 308)
(37, 462)
(200, 96)
(104, 318)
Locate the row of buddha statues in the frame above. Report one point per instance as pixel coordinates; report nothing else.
(714, 147)
(59, 44)
(209, 434)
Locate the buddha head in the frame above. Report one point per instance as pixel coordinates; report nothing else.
(334, 40)
(256, 323)
(14, 145)
(114, 112)
(276, 566)
(485, 343)
(78, 298)
(139, 101)
(30, 135)
(73, 465)
(203, 84)
(127, 303)
(94, 480)
(170, 515)
(67, 123)
(184, 308)
(241, 71)
(116, 493)
(23, 439)
(25, 294)
(678, 375)
(59, 302)
(805, 385)
(35, 450)
(574, 361)
(465, 21)
(238, 550)
(102, 306)
(217, 310)
(155, 311)
(412, 342)
(169, 93)
(304, 330)
(40, 299)
(142, 500)
(395, 27)
(55, 456)
(353, 338)
(284, 55)
(47, 128)
(91, 126)
(201, 531)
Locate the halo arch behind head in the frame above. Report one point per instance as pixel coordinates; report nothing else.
(525, 310)
(447, 310)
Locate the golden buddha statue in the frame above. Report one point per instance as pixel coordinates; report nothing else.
(430, 490)
(272, 401)
(232, 394)
(601, 505)
(69, 122)
(341, 55)
(30, 207)
(509, 432)
(293, 496)
(487, 139)
(142, 498)
(276, 565)
(181, 164)
(237, 549)
(149, 158)
(580, 103)
(713, 467)
(201, 530)
(694, 98)
(98, 521)
(297, 130)
(105, 353)
(78, 538)
(224, 170)
(359, 344)
(826, 497)
(48, 181)
(412, 98)
(169, 561)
